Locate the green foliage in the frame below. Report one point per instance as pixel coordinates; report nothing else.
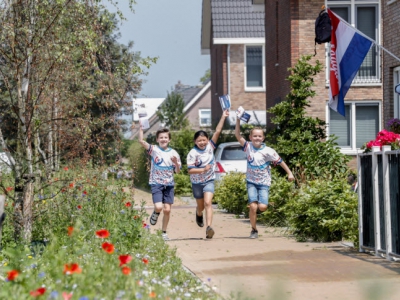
(171, 112)
(231, 193)
(88, 206)
(289, 116)
(182, 142)
(206, 77)
(139, 160)
(324, 210)
(183, 186)
(280, 192)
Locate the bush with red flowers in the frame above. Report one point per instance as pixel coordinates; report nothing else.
(384, 138)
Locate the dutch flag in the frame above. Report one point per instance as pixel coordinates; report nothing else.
(348, 50)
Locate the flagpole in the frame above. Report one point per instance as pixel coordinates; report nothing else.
(367, 37)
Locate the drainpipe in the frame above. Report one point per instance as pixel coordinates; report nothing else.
(228, 69)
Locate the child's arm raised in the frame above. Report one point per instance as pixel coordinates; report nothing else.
(220, 125)
(141, 141)
(239, 137)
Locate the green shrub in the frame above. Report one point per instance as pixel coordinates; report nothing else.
(139, 160)
(324, 210)
(183, 186)
(280, 192)
(231, 193)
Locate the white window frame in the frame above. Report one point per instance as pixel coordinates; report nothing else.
(252, 88)
(396, 97)
(352, 4)
(204, 110)
(352, 149)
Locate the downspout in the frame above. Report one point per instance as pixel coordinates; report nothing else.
(228, 72)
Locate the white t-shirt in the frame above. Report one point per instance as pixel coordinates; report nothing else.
(197, 158)
(162, 167)
(258, 163)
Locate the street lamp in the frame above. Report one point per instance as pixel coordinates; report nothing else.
(397, 89)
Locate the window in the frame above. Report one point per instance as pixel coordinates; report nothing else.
(254, 68)
(361, 124)
(396, 97)
(205, 117)
(364, 15)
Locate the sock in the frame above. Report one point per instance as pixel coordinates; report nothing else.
(254, 229)
(157, 213)
(164, 232)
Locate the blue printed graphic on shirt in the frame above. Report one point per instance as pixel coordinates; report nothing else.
(162, 167)
(258, 163)
(197, 158)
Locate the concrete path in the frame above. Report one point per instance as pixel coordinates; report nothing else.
(274, 266)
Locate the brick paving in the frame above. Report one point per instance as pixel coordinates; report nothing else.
(275, 266)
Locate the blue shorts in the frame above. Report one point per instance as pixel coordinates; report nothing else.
(200, 188)
(258, 193)
(162, 193)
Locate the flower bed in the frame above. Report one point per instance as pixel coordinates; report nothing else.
(92, 243)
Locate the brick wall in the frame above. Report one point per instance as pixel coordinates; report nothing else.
(240, 97)
(391, 41)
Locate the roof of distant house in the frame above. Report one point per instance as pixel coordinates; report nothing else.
(145, 105)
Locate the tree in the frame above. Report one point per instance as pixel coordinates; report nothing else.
(62, 81)
(206, 77)
(171, 112)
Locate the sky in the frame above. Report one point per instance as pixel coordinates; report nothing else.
(171, 30)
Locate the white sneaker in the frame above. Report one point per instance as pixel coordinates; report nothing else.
(165, 237)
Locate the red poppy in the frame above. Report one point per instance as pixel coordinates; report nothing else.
(71, 185)
(67, 296)
(126, 270)
(79, 206)
(72, 268)
(102, 233)
(109, 248)
(9, 189)
(152, 295)
(124, 259)
(63, 190)
(84, 192)
(38, 292)
(65, 168)
(135, 217)
(145, 261)
(128, 204)
(144, 225)
(12, 275)
(70, 230)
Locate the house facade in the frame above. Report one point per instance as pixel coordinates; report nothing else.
(197, 109)
(391, 65)
(290, 34)
(233, 33)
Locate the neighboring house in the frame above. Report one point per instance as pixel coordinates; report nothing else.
(197, 108)
(233, 33)
(391, 66)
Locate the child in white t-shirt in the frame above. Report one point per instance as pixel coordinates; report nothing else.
(258, 175)
(164, 161)
(201, 163)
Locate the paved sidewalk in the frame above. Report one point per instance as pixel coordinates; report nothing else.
(274, 266)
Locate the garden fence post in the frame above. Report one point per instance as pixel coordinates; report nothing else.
(2, 214)
(360, 202)
(386, 195)
(375, 180)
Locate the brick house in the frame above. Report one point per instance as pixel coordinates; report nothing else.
(197, 109)
(391, 66)
(289, 34)
(233, 33)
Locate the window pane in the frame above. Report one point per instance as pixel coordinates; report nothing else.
(342, 12)
(205, 117)
(366, 23)
(254, 66)
(233, 153)
(340, 126)
(367, 124)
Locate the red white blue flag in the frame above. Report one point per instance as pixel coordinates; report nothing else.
(348, 50)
